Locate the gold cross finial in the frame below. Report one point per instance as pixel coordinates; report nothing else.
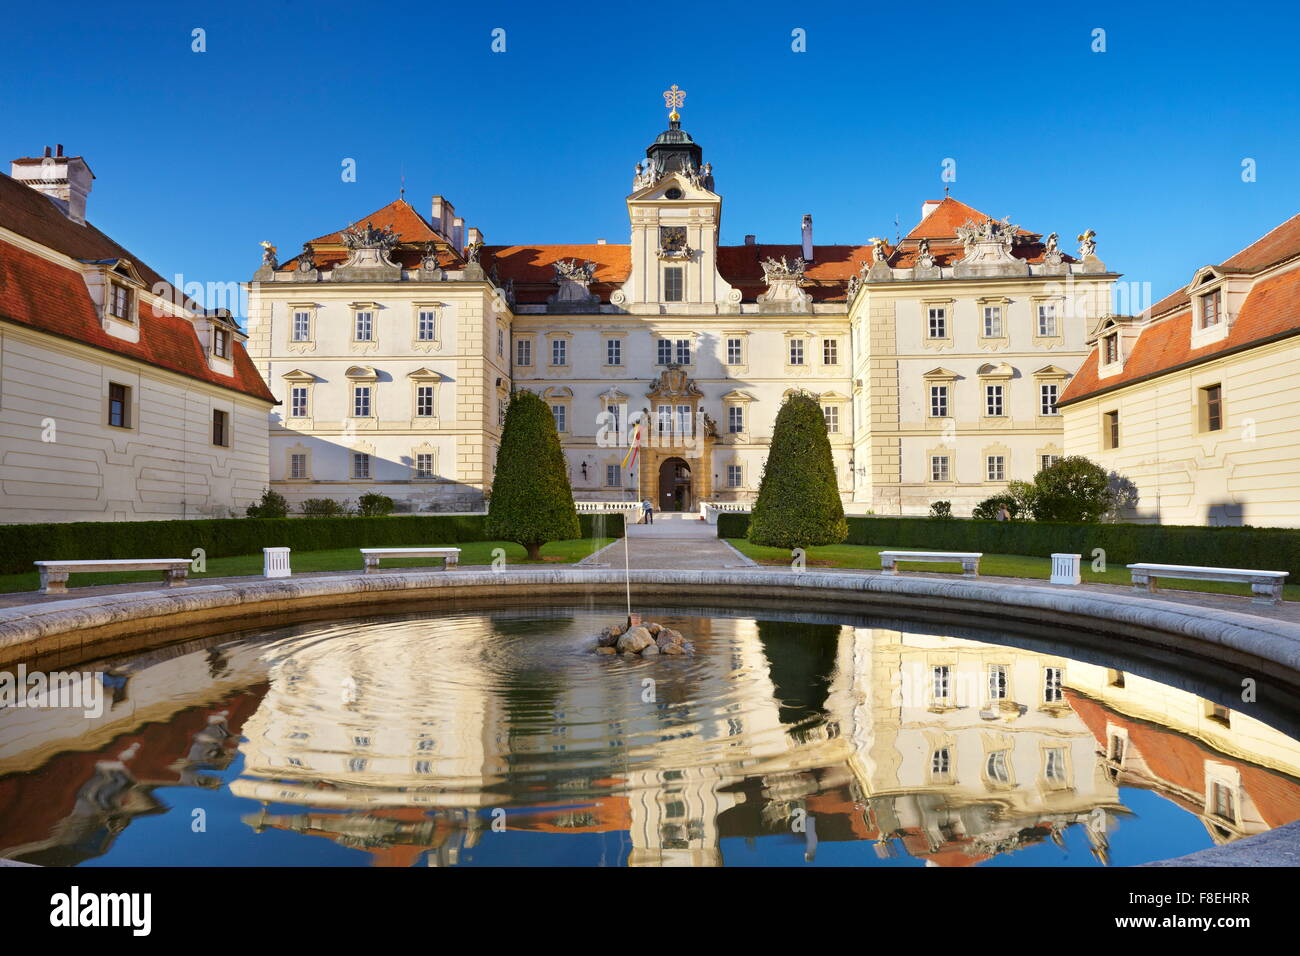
(673, 98)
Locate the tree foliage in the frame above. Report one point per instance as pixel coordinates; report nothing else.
(798, 498)
(1072, 489)
(531, 501)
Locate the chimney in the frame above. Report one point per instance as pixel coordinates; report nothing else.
(600, 242)
(751, 240)
(929, 206)
(457, 232)
(65, 179)
(807, 238)
(475, 235)
(442, 217)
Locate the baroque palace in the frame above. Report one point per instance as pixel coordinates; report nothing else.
(393, 346)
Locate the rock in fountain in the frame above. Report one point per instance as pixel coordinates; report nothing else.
(648, 640)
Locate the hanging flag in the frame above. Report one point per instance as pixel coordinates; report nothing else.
(630, 458)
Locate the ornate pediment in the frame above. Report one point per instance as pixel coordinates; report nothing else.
(368, 261)
(673, 382)
(987, 249)
(998, 370)
(425, 375)
(299, 376)
(784, 279)
(572, 293)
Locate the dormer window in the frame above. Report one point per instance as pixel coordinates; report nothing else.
(119, 302)
(221, 343)
(1110, 348)
(1211, 309)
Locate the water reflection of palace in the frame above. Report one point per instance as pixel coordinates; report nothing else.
(414, 746)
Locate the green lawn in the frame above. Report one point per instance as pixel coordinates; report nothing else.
(342, 559)
(999, 565)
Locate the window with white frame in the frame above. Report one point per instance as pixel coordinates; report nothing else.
(683, 351)
(559, 351)
(796, 351)
(1222, 801)
(941, 763)
(830, 352)
(735, 419)
(684, 420)
(1054, 765)
(832, 415)
(424, 401)
(735, 476)
(1211, 308)
(1048, 392)
(673, 284)
(938, 401)
(221, 343)
(735, 351)
(301, 326)
(937, 327)
(501, 341)
(560, 414)
(360, 465)
(424, 464)
(992, 321)
(613, 476)
(665, 418)
(993, 405)
(1047, 461)
(664, 352)
(524, 352)
(940, 683)
(1110, 349)
(298, 465)
(997, 767)
(997, 468)
(298, 401)
(220, 427)
(426, 325)
(1052, 692)
(997, 674)
(363, 329)
(1047, 318)
(360, 401)
(613, 351)
(119, 301)
(939, 470)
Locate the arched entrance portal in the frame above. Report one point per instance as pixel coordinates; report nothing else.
(675, 485)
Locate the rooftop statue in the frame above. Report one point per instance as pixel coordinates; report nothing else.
(368, 237)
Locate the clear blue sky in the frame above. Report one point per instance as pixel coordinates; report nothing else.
(199, 156)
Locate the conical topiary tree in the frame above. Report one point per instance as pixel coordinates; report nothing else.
(532, 502)
(799, 499)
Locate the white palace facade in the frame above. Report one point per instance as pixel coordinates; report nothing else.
(393, 347)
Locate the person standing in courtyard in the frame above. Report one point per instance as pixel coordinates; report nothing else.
(647, 512)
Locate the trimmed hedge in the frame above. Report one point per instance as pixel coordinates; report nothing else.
(21, 544)
(1270, 549)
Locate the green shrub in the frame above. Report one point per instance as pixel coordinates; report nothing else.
(987, 510)
(941, 509)
(21, 544)
(272, 505)
(798, 497)
(531, 502)
(374, 505)
(322, 508)
(1072, 489)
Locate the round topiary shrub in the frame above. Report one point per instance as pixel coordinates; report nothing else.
(798, 502)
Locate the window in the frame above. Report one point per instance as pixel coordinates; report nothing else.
(997, 468)
(1222, 804)
(501, 411)
(1212, 408)
(992, 321)
(524, 352)
(1052, 693)
(426, 325)
(1211, 309)
(298, 465)
(996, 767)
(301, 326)
(424, 465)
(559, 352)
(501, 341)
(734, 353)
(832, 415)
(938, 327)
(993, 406)
(1054, 765)
(1116, 748)
(684, 420)
(1047, 395)
(938, 401)
(938, 467)
(298, 401)
(119, 301)
(940, 676)
(615, 419)
(1220, 715)
(1110, 349)
(119, 406)
(665, 413)
(1047, 461)
(997, 682)
(735, 419)
(364, 327)
(1047, 318)
(941, 763)
(220, 427)
(1110, 429)
(683, 351)
(1114, 678)
(796, 351)
(735, 476)
(424, 401)
(361, 401)
(664, 353)
(830, 352)
(221, 343)
(613, 476)
(559, 412)
(673, 284)
(613, 351)
(360, 465)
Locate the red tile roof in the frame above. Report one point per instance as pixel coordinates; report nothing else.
(942, 223)
(399, 216)
(1272, 308)
(53, 298)
(412, 229)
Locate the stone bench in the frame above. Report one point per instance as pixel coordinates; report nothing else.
(54, 574)
(1266, 585)
(372, 555)
(969, 560)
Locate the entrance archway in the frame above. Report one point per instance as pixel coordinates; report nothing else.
(675, 492)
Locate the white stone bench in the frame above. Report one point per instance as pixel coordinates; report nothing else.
(54, 574)
(969, 560)
(1266, 585)
(372, 555)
